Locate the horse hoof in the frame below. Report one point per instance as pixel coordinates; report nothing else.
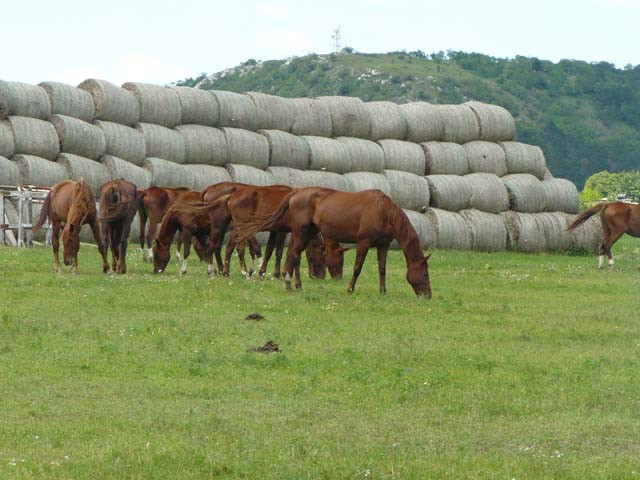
(288, 284)
(350, 290)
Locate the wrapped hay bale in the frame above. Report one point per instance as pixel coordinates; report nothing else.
(554, 225)
(35, 137)
(387, 121)
(246, 148)
(486, 157)
(364, 155)
(123, 142)
(403, 156)
(368, 181)
(7, 142)
(327, 154)
(205, 175)
(526, 193)
(488, 193)
(449, 192)
(168, 174)
(452, 230)
(273, 112)
(423, 122)
(94, 173)
(282, 175)
(163, 142)
(349, 117)
(523, 158)
(488, 231)
(250, 175)
(236, 110)
(197, 107)
(79, 137)
(312, 117)
(112, 103)
(547, 174)
(70, 101)
(423, 227)
(39, 171)
(119, 168)
(588, 235)
(9, 173)
(445, 158)
(408, 190)
(459, 123)
(287, 150)
(24, 100)
(312, 178)
(204, 145)
(524, 232)
(496, 123)
(158, 104)
(560, 195)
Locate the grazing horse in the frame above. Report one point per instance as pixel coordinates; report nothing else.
(368, 219)
(118, 205)
(73, 204)
(617, 219)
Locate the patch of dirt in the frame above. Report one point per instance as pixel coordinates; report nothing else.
(254, 316)
(268, 347)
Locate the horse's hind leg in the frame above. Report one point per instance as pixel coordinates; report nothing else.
(268, 251)
(227, 254)
(608, 243)
(240, 247)
(95, 229)
(280, 239)
(55, 242)
(143, 227)
(255, 251)
(382, 266)
(361, 253)
(186, 239)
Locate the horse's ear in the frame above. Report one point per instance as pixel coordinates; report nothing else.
(427, 258)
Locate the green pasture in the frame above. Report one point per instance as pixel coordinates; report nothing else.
(521, 366)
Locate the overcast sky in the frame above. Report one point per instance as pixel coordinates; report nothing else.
(161, 42)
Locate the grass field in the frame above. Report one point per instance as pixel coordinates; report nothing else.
(521, 366)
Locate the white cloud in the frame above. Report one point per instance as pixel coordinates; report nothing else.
(274, 10)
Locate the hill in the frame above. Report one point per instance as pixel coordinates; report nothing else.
(585, 116)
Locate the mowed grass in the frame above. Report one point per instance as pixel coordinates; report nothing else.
(521, 366)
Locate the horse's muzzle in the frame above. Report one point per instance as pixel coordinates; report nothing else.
(68, 262)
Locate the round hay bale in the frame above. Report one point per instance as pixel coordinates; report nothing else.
(560, 195)
(123, 142)
(24, 100)
(523, 158)
(39, 171)
(524, 232)
(205, 175)
(327, 154)
(554, 225)
(364, 155)
(312, 178)
(387, 121)
(168, 174)
(94, 173)
(423, 227)
(9, 173)
(119, 168)
(35, 137)
(197, 107)
(408, 190)
(7, 142)
(287, 150)
(158, 104)
(526, 193)
(236, 110)
(488, 193)
(163, 142)
(250, 175)
(368, 181)
(282, 175)
(403, 156)
(452, 230)
(547, 174)
(204, 145)
(449, 192)
(79, 137)
(445, 158)
(488, 231)
(273, 112)
(246, 148)
(588, 235)
(70, 101)
(312, 117)
(486, 157)
(112, 103)
(349, 117)
(496, 123)
(423, 122)
(459, 123)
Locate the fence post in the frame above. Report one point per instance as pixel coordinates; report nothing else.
(2, 220)
(20, 221)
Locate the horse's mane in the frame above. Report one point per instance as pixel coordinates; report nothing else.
(405, 233)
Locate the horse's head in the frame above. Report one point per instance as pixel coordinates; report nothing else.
(161, 256)
(70, 242)
(334, 258)
(418, 277)
(315, 258)
(78, 212)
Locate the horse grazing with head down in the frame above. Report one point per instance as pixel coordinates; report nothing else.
(72, 204)
(617, 218)
(368, 219)
(118, 205)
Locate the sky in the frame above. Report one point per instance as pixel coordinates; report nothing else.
(162, 42)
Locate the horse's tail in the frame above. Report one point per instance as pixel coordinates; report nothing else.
(142, 211)
(584, 216)
(45, 213)
(262, 222)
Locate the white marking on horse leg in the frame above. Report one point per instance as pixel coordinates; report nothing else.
(178, 255)
(184, 266)
(211, 270)
(611, 263)
(150, 252)
(245, 273)
(601, 262)
(260, 261)
(143, 252)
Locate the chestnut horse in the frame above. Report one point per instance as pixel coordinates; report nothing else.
(73, 204)
(118, 205)
(617, 218)
(368, 219)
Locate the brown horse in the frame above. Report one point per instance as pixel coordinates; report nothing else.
(368, 219)
(73, 204)
(617, 219)
(118, 205)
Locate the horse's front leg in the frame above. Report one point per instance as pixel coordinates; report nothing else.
(102, 248)
(382, 266)
(280, 239)
(240, 247)
(361, 253)
(55, 243)
(186, 249)
(268, 251)
(228, 252)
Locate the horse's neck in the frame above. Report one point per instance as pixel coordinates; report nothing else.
(78, 209)
(168, 228)
(407, 237)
